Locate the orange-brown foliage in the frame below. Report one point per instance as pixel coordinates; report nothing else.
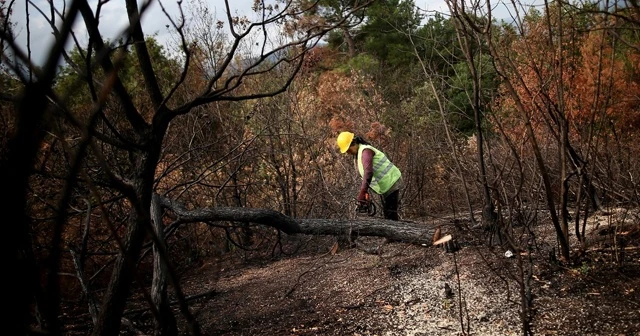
(606, 85)
(350, 102)
(598, 84)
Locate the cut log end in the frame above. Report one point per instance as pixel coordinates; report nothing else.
(442, 240)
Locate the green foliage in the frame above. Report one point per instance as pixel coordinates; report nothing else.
(419, 112)
(429, 52)
(362, 63)
(585, 268)
(437, 45)
(447, 304)
(386, 32)
(461, 90)
(335, 40)
(10, 85)
(71, 84)
(332, 12)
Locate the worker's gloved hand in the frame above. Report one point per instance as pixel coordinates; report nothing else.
(363, 197)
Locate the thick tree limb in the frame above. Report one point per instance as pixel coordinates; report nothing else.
(402, 231)
(261, 216)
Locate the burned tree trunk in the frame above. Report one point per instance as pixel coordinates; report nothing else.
(401, 231)
(166, 324)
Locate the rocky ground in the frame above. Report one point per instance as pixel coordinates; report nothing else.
(414, 290)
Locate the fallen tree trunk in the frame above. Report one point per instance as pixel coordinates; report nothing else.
(401, 231)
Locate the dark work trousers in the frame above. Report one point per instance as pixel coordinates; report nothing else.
(390, 204)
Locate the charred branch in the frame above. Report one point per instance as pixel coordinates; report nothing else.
(401, 231)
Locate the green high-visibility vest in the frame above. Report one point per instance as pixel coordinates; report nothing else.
(385, 173)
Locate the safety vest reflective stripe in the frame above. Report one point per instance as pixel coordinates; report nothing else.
(378, 174)
(382, 161)
(385, 173)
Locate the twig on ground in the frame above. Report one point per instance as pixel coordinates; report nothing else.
(188, 298)
(362, 300)
(311, 269)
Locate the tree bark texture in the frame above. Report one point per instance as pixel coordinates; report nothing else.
(401, 231)
(166, 324)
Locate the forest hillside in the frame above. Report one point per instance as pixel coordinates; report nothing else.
(193, 185)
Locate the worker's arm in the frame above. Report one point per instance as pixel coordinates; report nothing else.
(367, 164)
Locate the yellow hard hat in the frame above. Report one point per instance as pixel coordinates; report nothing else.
(344, 141)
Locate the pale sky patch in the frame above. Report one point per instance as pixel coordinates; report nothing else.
(113, 20)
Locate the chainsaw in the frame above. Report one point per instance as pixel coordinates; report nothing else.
(366, 207)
